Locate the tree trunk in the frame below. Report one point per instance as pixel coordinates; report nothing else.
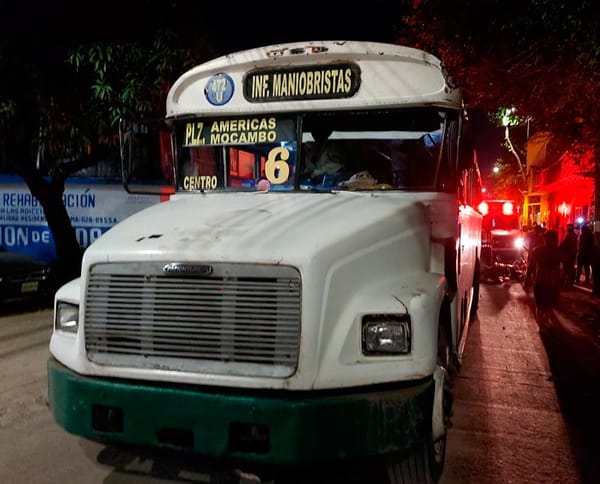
(50, 196)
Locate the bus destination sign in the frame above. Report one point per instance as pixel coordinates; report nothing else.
(331, 81)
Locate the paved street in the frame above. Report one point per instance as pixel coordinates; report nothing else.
(508, 425)
(573, 349)
(525, 404)
(528, 397)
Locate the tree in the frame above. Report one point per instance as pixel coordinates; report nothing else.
(508, 118)
(130, 80)
(541, 56)
(56, 125)
(507, 182)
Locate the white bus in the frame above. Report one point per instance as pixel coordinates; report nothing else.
(304, 295)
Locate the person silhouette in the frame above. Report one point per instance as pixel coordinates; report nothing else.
(543, 272)
(323, 159)
(585, 254)
(568, 248)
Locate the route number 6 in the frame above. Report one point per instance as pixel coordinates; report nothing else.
(277, 169)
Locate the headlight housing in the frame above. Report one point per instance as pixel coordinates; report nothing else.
(386, 334)
(66, 317)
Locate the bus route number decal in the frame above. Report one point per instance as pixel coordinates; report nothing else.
(277, 170)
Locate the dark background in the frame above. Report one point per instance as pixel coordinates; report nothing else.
(46, 31)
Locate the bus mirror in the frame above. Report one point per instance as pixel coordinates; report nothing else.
(146, 159)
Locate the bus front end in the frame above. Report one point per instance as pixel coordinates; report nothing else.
(297, 299)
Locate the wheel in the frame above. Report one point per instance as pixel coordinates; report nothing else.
(414, 468)
(421, 466)
(519, 267)
(426, 462)
(446, 369)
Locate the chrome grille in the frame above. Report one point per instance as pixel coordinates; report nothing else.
(239, 320)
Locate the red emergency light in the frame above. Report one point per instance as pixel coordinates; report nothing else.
(508, 208)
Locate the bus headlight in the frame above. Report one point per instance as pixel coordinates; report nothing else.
(386, 334)
(67, 317)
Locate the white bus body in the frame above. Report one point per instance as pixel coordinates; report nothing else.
(290, 304)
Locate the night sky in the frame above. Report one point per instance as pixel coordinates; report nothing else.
(53, 27)
(227, 25)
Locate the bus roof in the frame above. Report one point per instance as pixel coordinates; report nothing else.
(291, 77)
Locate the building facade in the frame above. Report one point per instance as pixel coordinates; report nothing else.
(559, 191)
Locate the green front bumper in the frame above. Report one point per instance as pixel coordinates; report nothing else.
(262, 427)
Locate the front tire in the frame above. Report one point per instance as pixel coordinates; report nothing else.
(414, 468)
(425, 463)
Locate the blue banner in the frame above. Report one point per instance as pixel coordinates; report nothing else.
(92, 207)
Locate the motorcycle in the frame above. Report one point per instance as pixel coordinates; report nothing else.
(500, 266)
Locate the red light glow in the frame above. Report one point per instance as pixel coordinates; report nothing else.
(507, 208)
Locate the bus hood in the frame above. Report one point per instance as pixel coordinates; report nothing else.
(263, 227)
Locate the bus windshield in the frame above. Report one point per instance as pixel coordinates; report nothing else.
(365, 150)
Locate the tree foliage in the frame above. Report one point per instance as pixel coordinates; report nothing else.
(507, 182)
(53, 124)
(129, 80)
(542, 56)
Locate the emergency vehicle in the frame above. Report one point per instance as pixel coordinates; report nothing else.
(502, 241)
